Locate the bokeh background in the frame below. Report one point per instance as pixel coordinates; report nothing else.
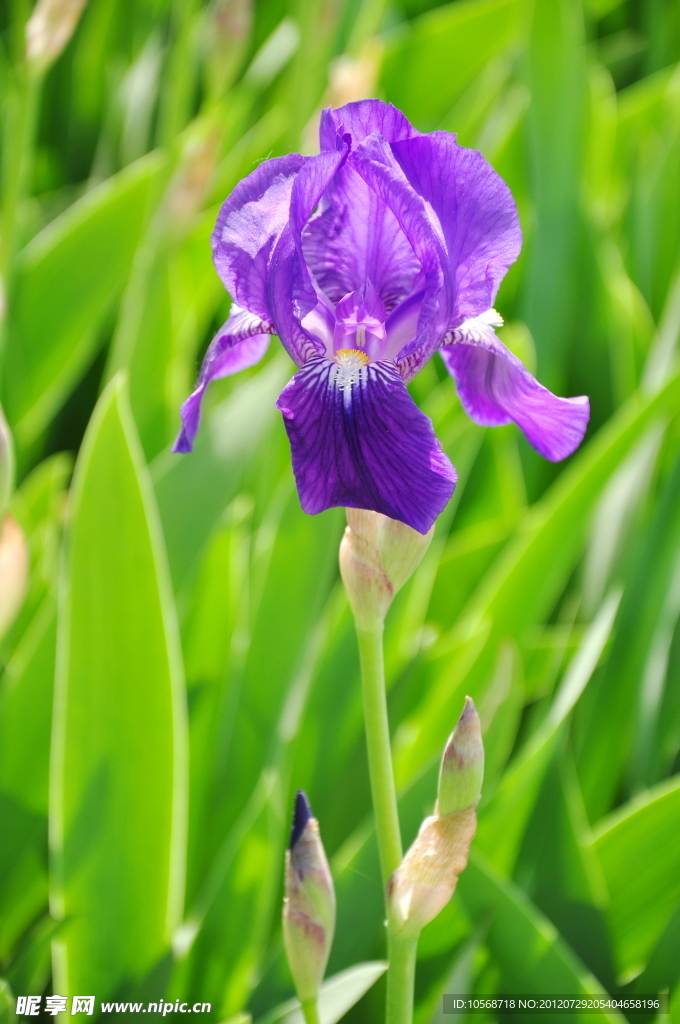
(183, 657)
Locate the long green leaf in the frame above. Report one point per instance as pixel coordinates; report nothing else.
(524, 580)
(117, 814)
(640, 856)
(338, 995)
(527, 948)
(503, 820)
(67, 279)
(418, 74)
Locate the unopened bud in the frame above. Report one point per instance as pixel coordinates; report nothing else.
(49, 29)
(377, 556)
(309, 904)
(6, 465)
(13, 572)
(462, 768)
(427, 877)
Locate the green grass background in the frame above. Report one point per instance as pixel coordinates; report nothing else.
(184, 658)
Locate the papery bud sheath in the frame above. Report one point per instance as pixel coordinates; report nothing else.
(377, 556)
(427, 877)
(309, 904)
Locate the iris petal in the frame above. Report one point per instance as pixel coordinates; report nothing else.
(248, 226)
(291, 294)
(238, 344)
(364, 444)
(495, 388)
(356, 236)
(364, 118)
(376, 164)
(475, 209)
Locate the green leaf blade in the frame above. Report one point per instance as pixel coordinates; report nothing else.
(118, 790)
(67, 277)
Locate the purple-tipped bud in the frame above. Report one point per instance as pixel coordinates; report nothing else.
(309, 904)
(427, 877)
(377, 556)
(462, 768)
(301, 815)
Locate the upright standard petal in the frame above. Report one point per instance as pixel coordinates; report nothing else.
(375, 163)
(238, 344)
(364, 118)
(356, 237)
(248, 227)
(477, 213)
(291, 294)
(495, 388)
(358, 440)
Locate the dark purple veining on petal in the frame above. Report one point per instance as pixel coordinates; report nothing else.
(359, 440)
(301, 815)
(364, 259)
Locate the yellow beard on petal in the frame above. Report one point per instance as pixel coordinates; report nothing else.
(350, 362)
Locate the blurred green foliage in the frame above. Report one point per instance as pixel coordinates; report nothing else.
(184, 657)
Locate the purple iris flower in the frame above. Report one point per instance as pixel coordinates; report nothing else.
(365, 259)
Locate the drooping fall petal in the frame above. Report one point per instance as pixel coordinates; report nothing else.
(359, 440)
(241, 342)
(495, 388)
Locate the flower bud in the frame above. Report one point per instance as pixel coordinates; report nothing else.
(462, 768)
(309, 904)
(377, 556)
(426, 879)
(49, 29)
(13, 572)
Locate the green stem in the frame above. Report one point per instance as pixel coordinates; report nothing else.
(400, 978)
(310, 1009)
(401, 952)
(379, 752)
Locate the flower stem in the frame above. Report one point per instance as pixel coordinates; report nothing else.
(401, 952)
(379, 752)
(400, 978)
(310, 1010)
